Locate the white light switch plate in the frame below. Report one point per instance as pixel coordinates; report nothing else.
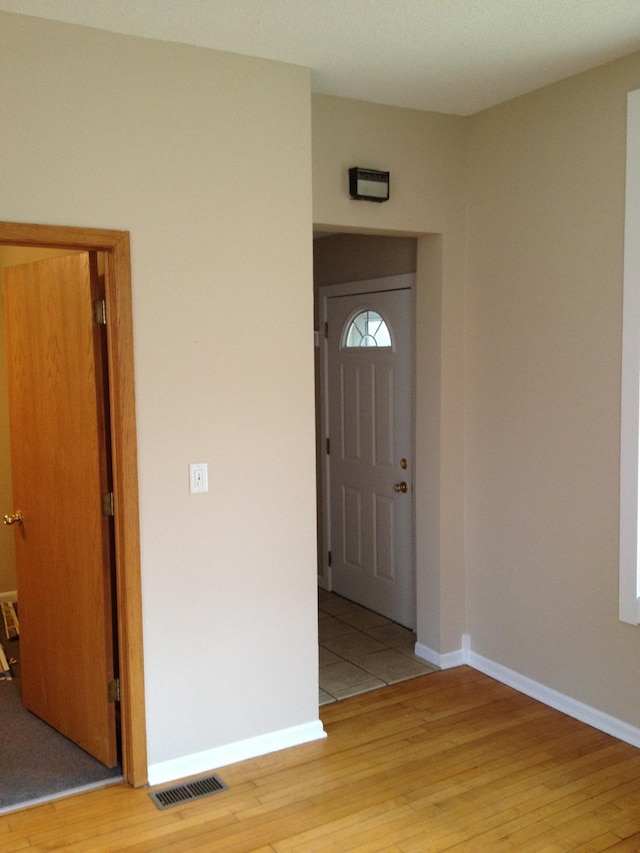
(198, 478)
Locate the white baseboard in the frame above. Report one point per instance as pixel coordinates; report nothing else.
(447, 660)
(203, 762)
(211, 759)
(9, 596)
(572, 707)
(569, 706)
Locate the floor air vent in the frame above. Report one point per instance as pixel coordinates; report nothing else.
(189, 791)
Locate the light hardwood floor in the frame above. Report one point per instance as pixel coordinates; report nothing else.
(448, 761)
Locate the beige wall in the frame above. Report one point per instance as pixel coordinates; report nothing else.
(517, 355)
(354, 257)
(425, 154)
(544, 299)
(205, 158)
(517, 523)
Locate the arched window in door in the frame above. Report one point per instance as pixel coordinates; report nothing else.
(367, 329)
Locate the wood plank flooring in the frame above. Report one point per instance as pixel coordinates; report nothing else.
(449, 761)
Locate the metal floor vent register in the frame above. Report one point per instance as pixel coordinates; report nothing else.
(178, 794)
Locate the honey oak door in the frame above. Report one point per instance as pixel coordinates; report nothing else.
(369, 355)
(60, 469)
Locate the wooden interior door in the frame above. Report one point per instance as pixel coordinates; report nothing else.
(60, 472)
(370, 431)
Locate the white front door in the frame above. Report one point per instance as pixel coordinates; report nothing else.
(369, 421)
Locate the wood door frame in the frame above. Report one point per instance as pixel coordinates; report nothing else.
(116, 248)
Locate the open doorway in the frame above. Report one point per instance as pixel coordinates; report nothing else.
(366, 533)
(114, 246)
(59, 733)
(341, 259)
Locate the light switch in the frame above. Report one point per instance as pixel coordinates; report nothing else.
(198, 478)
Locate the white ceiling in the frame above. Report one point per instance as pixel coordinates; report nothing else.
(451, 56)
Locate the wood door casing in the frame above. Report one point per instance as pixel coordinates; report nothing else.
(116, 248)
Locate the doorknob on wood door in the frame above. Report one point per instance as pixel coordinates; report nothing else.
(401, 487)
(13, 518)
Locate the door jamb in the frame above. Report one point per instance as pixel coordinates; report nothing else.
(116, 247)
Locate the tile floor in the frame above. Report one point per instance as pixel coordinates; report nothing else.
(361, 650)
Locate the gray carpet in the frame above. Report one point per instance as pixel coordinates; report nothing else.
(36, 761)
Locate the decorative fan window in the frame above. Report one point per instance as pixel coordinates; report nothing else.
(368, 329)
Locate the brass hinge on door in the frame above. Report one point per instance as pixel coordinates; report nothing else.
(107, 504)
(100, 312)
(113, 691)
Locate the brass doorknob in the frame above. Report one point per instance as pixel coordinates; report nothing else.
(401, 487)
(13, 518)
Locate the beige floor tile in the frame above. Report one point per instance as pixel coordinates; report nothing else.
(362, 687)
(325, 698)
(361, 651)
(336, 678)
(410, 653)
(392, 666)
(364, 619)
(336, 605)
(325, 657)
(329, 626)
(393, 635)
(350, 646)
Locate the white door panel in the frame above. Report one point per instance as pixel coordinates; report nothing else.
(369, 425)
